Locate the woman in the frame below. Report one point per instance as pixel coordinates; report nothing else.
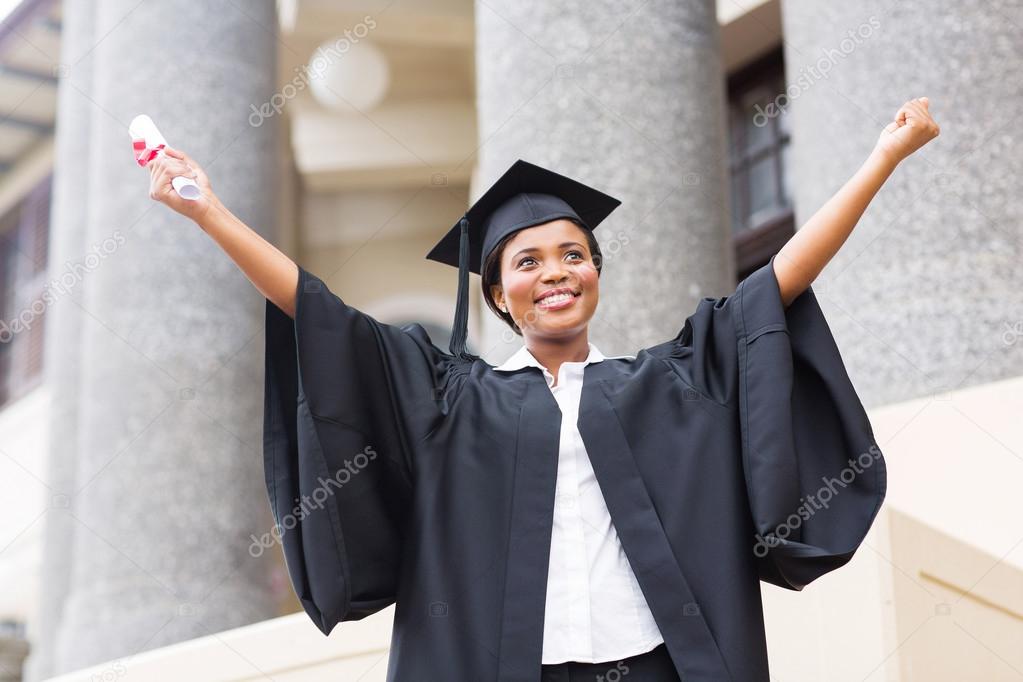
(565, 514)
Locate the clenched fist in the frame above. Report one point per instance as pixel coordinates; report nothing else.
(912, 128)
(170, 163)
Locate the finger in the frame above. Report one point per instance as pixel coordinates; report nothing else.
(176, 168)
(178, 154)
(914, 110)
(919, 113)
(181, 156)
(160, 184)
(164, 180)
(155, 189)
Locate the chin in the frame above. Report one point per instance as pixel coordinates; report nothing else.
(562, 327)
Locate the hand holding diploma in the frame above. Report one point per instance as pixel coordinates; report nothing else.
(170, 165)
(175, 179)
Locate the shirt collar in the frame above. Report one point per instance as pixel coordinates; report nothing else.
(523, 358)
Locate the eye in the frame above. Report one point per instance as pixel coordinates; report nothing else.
(575, 252)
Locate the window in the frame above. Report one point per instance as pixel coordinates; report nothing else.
(761, 198)
(24, 250)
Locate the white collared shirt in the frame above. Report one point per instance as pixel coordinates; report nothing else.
(595, 610)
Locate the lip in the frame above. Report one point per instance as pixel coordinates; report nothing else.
(564, 304)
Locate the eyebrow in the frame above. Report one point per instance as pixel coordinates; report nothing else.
(534, 248)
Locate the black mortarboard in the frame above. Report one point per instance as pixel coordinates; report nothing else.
(526, 195)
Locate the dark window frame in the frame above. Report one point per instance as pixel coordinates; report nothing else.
(24, 254)
(754, 244)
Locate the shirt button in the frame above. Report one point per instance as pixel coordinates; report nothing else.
(566, 500)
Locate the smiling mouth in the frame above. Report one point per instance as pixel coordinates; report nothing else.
(556, 298)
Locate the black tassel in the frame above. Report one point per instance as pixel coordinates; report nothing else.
(461, 324)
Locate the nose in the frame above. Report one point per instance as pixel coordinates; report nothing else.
(555, 273)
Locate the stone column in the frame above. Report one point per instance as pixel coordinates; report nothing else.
(64, 320)
(629, 99)
(924, 297)
(169, 483)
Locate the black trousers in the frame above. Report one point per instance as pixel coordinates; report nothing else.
(652, 666)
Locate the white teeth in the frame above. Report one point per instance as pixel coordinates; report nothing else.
(556, 298)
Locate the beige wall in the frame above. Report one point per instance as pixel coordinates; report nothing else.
(960, 610)
(956, 463)
(936, 591)
(288, 649)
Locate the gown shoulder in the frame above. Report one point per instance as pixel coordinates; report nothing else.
(814, 473)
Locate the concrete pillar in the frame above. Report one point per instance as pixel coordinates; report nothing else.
(925, 295)
(629, 99)
(168, 485)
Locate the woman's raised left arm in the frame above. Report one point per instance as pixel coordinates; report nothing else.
(803, 257)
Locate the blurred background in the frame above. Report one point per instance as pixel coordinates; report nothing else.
(134, 521)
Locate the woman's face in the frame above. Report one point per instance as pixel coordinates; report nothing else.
(541, 260)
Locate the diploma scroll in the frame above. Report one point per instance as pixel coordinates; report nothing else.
(147, 143)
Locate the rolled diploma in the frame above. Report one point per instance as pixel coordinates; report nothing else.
(148, 143)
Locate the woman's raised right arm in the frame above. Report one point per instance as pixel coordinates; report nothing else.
(270, 271)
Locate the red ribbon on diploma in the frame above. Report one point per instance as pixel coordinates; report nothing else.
(144, 154)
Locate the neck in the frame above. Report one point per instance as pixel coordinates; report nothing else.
(551, 353)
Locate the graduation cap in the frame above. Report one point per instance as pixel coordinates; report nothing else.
(526, 195)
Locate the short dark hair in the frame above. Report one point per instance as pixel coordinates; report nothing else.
(491, 272)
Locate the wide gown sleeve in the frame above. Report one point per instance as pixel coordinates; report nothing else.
(346, 401)
(814, 474)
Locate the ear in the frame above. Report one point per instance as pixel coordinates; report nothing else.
(497, 293)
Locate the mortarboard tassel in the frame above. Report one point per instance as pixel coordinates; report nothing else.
(461, 325)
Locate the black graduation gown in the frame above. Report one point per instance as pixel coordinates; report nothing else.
(736, 452)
